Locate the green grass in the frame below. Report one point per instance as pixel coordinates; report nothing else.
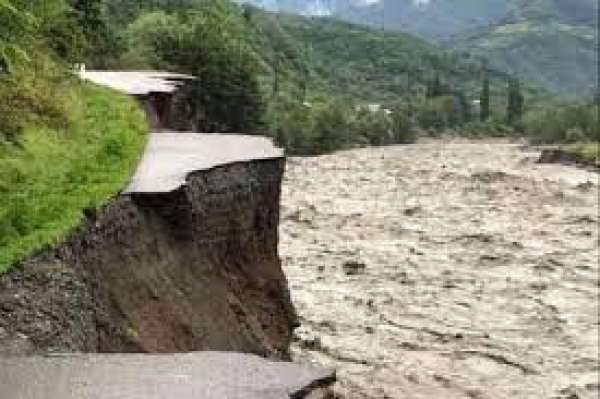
(53, 175)
(588, 152)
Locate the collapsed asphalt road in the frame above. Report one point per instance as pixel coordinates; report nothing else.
(205, 375)
(181, 262)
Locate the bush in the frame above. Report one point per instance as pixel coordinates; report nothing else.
(291, 125)
(376, 127)
(36, 95)
(309, 129)
(404, 130)
(563, 124)
(438, 113)
(489, 128)
(332, 127)
(210, 44)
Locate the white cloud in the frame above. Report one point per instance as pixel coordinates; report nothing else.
(365, 2)
(317, 8)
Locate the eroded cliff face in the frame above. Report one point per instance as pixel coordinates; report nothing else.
(193, 269)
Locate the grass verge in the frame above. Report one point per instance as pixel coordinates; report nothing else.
(52, 175)
(589, 153)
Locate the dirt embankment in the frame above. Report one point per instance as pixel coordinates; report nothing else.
(566, 157)
(193, 269)
(445, 271)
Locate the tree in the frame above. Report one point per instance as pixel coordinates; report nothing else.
(516, 102)
(275, 66)
(210, 44)
(402, 125)
(16, 28)
(465, 106)
(484, 100)
(434, 88)
(375, 126)
(100, 43)
(332, 127)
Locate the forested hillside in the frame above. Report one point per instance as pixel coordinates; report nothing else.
(359, 62)
(551, 43)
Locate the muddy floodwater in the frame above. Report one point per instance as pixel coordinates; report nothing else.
(445, 270)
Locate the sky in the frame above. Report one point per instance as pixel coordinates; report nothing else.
(323, 7)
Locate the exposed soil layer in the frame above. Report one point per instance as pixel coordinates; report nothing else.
(193, 269)
(558, 155)
(445, 271)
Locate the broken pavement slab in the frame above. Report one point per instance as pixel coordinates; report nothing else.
(170, 157)
(198, 375)
(138, 83)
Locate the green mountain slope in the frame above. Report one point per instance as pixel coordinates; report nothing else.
(553, 43)
(559, 57)
(360, 63)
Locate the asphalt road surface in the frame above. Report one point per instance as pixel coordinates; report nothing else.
(170, 157)
(200, 375)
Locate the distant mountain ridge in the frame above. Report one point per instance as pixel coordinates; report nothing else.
(440, 19)
(431, 19)
(551, 43)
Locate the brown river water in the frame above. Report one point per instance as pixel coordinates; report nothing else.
(445, 270)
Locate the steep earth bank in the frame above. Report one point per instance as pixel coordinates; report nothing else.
(444, 270)
(565, 157)
(192, 269)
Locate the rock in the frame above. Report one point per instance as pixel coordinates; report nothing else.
(352, 268)
(489, 176)
(562, 156)
(585, 187)
(412, 211)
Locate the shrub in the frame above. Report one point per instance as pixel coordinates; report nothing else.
(404, 130)
(376, 127)
(563, 124)
(211, 45)
(309, 129)
(36, 95)
(438, 113)
(291, 125)
(332, 127)
(488, 128)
